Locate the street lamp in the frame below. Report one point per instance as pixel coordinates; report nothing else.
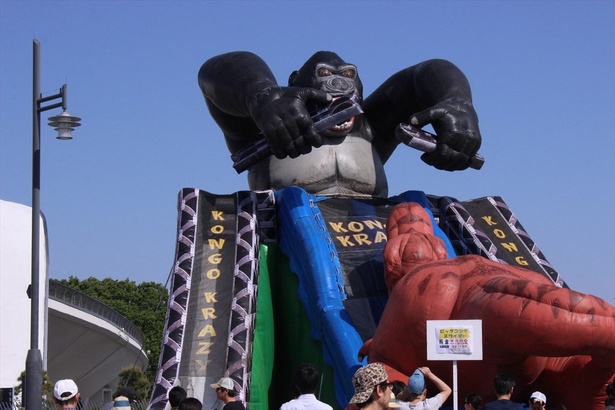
(64, 123)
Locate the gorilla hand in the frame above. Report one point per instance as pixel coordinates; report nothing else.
(456, 125)
(285, 121)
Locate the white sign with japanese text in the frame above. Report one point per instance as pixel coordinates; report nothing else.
(454, 340)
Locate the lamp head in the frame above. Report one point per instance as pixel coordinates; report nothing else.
(64, 125)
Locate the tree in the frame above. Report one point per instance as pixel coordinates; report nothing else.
(21, 381)
(135, 378)
(143, 304)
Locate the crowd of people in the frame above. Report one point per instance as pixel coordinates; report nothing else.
(372, 391)
(225, 392)
(372, 386)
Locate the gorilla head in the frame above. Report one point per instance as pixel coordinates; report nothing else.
(326, 71)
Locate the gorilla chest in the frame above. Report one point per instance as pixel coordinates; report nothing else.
(350, 166)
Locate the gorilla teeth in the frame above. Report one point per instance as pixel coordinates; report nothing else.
(345, 126)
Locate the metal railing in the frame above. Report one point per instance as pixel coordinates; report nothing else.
(83, 302)
(87, 405)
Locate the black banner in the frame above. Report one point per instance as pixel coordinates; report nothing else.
(487, 226)
(357, 228)
(210, 320)
(204, 353)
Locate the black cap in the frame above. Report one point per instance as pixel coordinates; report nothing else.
(128, 392)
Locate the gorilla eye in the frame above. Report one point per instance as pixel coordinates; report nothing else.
(349, 73)
(324, 72)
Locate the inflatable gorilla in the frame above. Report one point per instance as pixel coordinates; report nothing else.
(245, 100)
(557, 339)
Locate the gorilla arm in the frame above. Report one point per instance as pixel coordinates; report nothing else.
(435, 92)
(244, 98)
(228, 82)
(541, 319)
(523, 315)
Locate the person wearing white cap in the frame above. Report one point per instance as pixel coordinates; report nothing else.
(225, 392)
(66, 394)
(538, 401)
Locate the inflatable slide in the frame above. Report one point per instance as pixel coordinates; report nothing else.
(264, 281)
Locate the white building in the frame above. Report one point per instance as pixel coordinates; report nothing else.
(79, 337)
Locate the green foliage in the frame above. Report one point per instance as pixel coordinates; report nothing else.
(47, 385)
(135, 378)
(143, 304)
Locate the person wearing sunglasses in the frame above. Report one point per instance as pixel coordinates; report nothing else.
(372, 389)
(226, 393)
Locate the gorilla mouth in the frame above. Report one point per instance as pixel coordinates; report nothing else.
(343, 127)
(338, 116)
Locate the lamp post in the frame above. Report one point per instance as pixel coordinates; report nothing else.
(64, 124)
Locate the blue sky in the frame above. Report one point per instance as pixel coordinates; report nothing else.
(542, 74)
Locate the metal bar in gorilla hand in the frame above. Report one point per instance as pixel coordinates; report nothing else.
(427, 142)
(338, 111)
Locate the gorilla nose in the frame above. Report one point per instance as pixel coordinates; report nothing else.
(340, 86)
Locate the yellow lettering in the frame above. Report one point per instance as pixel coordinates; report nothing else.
(521, 261)
(207, 330)
(344, 240)
(215, 258)
(380, 237)
(215, 244)
(510, 246)
(374, 224)
(488, 220)
(361, 238)
(355, 226)
(208, 313)
(337, 227)
(210, 297)
(204, 349)
(499, 233)
(213, 273)
(217, 229)
(217, 215)
(202, 365)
